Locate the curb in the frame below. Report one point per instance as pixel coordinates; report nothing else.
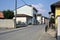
(8, 31)
(12, 30)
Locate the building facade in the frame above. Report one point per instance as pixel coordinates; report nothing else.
(29, 11)
(23, 18)
(45, 20)
(39, 19)
(55, 8)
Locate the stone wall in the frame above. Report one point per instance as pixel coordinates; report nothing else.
(7, 23)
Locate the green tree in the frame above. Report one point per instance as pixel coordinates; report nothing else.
(52, 20)
(8, 14)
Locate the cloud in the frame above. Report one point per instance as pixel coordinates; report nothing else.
(40, 8)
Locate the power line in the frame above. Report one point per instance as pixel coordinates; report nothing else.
(24, 2)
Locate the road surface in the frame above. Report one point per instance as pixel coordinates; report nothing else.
(32, 32)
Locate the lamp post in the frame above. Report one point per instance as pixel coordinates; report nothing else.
(15, 11)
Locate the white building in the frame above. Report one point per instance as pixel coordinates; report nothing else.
(23, 18)
(28, 14)
(43, 20)
(39, 18)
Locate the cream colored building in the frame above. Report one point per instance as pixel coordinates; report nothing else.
(55, 8)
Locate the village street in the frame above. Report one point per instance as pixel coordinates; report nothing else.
(32, 32)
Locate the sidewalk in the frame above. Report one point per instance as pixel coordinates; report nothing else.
(49, 35)
(51, 32)
(46, 36)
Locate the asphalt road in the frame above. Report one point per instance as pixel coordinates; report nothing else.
(32, 32)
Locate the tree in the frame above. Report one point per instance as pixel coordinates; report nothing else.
(52, 23)
(52, 20)
(8, 14)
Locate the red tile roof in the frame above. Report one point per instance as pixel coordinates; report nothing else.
(1, 15)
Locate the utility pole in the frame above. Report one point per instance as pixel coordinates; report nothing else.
(15, 11)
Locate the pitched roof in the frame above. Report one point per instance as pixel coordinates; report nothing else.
(56, 4)
(29, 6)
(1, 15)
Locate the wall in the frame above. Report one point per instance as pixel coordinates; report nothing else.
(46, 21)
(34, 17)
(43, 20)
(58, 33)
(39, 19)
(29, 20)
(26, 20)
(7, 23)
(34, 11)
(57, 12)
(21, 19)
(25, 10)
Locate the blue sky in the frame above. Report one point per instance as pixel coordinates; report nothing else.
(43, 6)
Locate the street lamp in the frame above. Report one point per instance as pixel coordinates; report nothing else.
(15, 11)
